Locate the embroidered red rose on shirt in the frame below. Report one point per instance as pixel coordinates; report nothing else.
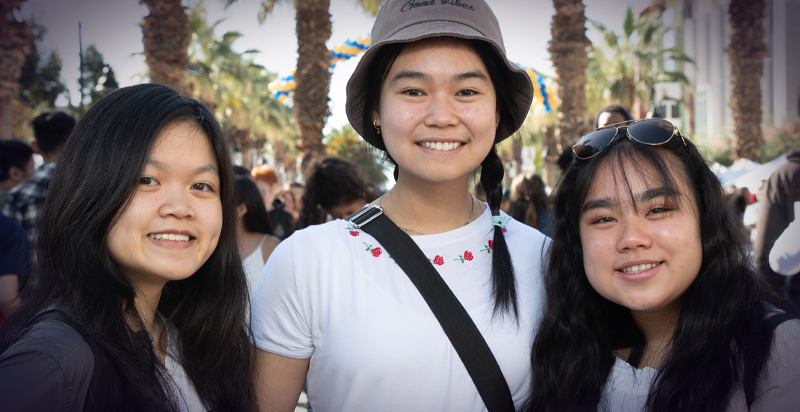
(353, 233)
(488, 248)
(352, 230)
(467, 255)
(438, 260)
(505, 230)
(376, 251)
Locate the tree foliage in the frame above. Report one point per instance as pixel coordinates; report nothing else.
(40, 81)
(234, 87)
(346, 143)
(626, 65)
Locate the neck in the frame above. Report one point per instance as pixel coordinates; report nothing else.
(430, 207)
(8, 184)
(658, 328)
(146, 302)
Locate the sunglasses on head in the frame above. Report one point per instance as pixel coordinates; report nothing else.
(651, 132)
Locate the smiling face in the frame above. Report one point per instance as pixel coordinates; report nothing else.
(173, 222)
(437, 110)
(642, 256)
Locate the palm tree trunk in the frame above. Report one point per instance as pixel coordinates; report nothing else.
(313, 77)
(14, 45)
(747, 51)
(568, 53)
(166, 36)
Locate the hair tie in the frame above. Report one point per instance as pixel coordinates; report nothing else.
(500, 221)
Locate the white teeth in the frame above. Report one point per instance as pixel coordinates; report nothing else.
(639, 268)
(443, 147)
(169, 236)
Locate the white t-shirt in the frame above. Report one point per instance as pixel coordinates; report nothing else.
(333, 294)
(187, 397)
(627, 388)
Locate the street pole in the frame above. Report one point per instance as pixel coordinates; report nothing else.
(80, 55)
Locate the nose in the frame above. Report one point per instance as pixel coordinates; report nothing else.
(634, 235)
(176, 203)
(441, 112)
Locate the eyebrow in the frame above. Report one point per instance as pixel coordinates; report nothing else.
(470, 75)
(208, 168)
(410, 74)
(642, 197)
(413, 74)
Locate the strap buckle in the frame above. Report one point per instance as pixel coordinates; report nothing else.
(364, 216)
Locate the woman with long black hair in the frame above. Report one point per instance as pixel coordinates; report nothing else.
(651, 300)
(435, 92)
(138, 298)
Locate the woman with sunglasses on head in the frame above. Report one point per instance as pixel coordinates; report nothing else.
(651, 302)
(435, 92)
(138, 301)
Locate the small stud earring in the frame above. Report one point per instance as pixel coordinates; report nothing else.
(378, 128)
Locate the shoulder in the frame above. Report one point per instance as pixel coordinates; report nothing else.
(51, 364)
(11, 233)
(523, 237)
(54, 339)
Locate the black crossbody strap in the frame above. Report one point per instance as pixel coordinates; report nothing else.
(454, 319)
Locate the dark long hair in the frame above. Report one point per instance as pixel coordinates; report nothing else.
(93, 183)
(256, 219)
(528, 199)
(492, 171)
(722, 338)
(330, 182)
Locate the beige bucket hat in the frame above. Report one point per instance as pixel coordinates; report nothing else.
(405, 21)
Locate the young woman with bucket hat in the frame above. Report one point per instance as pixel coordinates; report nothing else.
(348, 311)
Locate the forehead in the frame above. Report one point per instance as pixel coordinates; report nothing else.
(445, 55)
(181, 136)
(621, 179)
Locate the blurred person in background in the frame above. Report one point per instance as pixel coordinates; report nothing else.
(14, 265)
(24, 202)
(611, 114)
(16, 165)
(268, 185)
(334, 186)
(777, 197)
(529, 202)
(253, 229)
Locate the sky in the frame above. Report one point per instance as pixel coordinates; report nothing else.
(113, 26)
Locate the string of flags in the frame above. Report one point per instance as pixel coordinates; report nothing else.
(283, 88)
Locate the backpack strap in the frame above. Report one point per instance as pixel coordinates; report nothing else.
(97, 396)
(454, 319)
(776, 320)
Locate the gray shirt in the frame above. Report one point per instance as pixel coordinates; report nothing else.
(49, 369)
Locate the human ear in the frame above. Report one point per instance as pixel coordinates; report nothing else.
(241, 210)
(376, 118)
(16, 174)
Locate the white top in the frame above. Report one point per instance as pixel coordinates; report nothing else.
(784, 258)
(627, 388)
(333, 294)
(188, 400)
(253, 264)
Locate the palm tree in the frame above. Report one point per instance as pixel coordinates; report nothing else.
(570, 60)
(313, 75)
(234, 88)
(747, 51)
(165, 34)
(626, 65)
(15, 44)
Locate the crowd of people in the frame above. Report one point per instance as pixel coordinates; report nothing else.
(141, 270)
